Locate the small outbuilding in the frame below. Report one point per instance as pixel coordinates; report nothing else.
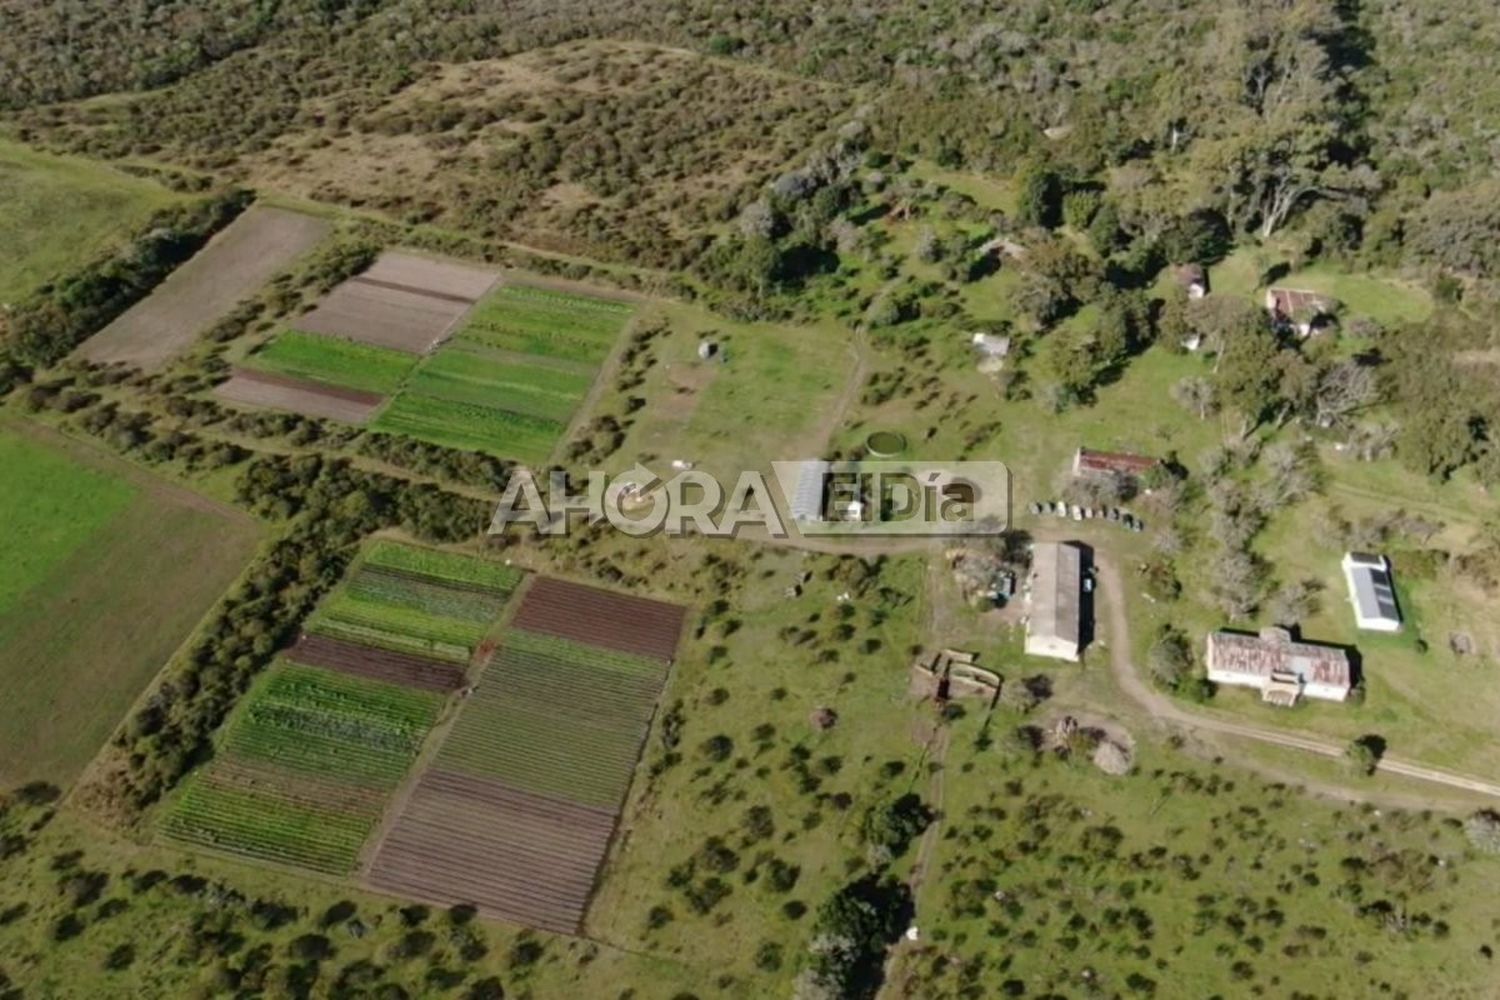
(1298, 309)
(1192, 279)
(1372, 592)
(1055, 626)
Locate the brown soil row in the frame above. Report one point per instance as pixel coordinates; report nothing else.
(332, 796)
(513, 855)
(398, 287)
(369, 314)
(448, 278)
(377, 664)
(601, 618)
(313, 399)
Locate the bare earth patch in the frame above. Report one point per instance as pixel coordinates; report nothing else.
(313, 399)
(234, 264)
(403, 302)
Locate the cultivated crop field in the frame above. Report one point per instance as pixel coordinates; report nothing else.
(402, 302)
(302, 773)
(510, 379)
(106, 570)
(517, 811)
(333, 361)
(304, 770)
(249, 387)
(423, 603)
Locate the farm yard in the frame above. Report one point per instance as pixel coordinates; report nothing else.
(234, 264)
(107, 571)
(509, 380)
(304, 771)
(516, 813)
(58, 210)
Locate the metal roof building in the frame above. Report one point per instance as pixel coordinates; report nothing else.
(811, 491)
(1055, 625)
(1371, 592)
(1281, 667)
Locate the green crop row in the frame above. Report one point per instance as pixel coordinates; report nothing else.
(467, 374)
(446, 566)
(382, 637)
(490, 429)
(597, 657)
(267, 827)
(373, 585)
(415, 628)
(334, 361)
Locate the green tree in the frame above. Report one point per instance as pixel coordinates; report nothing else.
(1039, 202)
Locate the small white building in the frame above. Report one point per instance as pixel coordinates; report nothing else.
(811, 492)
(1371, 592)
(1055, 587)
(1281, 668)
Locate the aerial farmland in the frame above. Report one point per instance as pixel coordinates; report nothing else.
(403, 594)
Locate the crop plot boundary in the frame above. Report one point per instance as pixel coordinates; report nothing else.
(474, 807)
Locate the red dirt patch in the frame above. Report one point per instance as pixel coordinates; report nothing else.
(377, 664)
(601, 618)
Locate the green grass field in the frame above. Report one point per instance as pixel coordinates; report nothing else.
(334, 361)
(53, 506)
(56, 212)
(106, 571)
(508, 382)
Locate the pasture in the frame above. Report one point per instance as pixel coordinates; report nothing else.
(107, 571)
(303, 772)
(774, 394)
(1045, 867)
(233, 265)
(516, 813)
(57, 212)
(509, 381)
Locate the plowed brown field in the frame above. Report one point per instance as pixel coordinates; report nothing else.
(600, 618)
